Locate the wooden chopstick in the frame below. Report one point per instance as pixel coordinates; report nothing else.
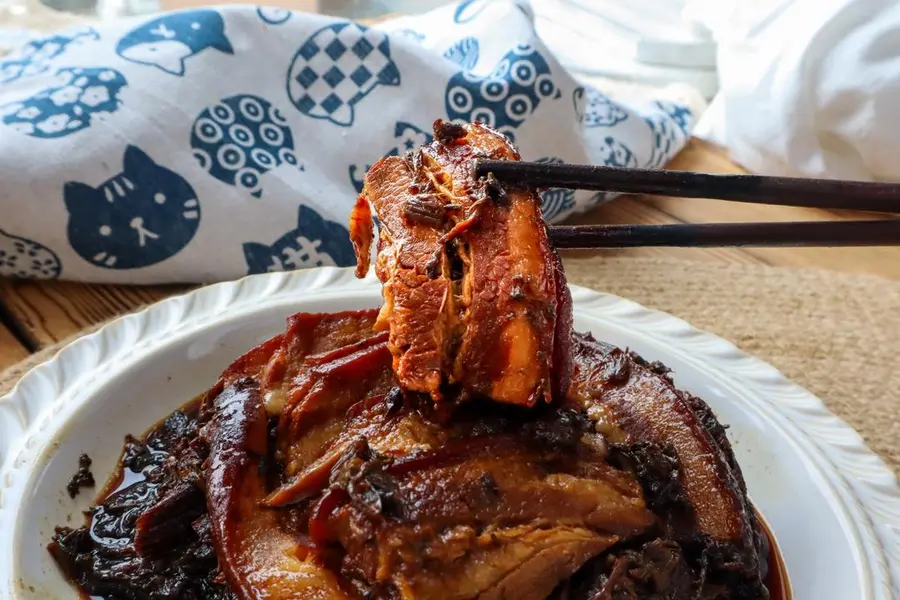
(784, 191)
(803, 233)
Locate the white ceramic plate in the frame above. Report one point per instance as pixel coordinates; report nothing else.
(833, 506)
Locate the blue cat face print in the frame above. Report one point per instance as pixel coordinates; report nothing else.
(595, 109)
(81, 97)
(23, 258)
(316, 242)
(167, 41)
(520, 81)
(336, 68)
(614, 153)
(37, 54)
(463, 53)
(138, 218)
(406, 136)
(239, 139)
(555, 201)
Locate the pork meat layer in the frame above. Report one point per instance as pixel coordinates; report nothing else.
(474, 295)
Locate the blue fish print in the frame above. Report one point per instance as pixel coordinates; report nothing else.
(406, 136)
(338, 66)
(315, 242)
(464, 53)
(555, 201)
(165, 42)
(664, 133)
(20, 257)
(241, 138)
(138, 218)
(613, 153)
(601, 111)
(682, 115)
(668, 129)
(82, 96)
(37, 54)
(503, 99)
(273, 15)
(468, 10)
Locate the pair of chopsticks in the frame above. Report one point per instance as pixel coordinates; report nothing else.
(783, 191)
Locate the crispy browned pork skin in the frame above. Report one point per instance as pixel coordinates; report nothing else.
(367, 491)
(678, 450)
(323, 479)
(343, 485)
(474, 295)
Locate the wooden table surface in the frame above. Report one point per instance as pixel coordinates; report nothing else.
(36, 314)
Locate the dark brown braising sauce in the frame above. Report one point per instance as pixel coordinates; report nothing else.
(778, 584)
(148, 536)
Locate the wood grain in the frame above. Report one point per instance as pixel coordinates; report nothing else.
(11, 351)
(51, 311)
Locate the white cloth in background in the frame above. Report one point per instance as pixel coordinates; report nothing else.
(807, 87)
(206, 144)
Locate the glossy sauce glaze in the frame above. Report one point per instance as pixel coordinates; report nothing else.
(107, 558)
(148, 536)
(777, 579)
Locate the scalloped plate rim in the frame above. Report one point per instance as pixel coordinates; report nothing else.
(876, 480)
(856, 510)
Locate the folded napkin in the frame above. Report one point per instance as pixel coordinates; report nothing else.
(207, 144)
(807, 88)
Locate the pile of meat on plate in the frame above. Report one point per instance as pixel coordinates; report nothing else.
(462, 441)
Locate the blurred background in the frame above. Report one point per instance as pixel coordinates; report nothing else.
(646, 42)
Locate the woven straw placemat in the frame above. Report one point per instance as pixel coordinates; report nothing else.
(835, 334)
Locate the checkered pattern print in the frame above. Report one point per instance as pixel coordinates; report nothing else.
(338, 66)
(280, 115)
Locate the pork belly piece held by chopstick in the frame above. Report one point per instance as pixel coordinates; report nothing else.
(474, 294)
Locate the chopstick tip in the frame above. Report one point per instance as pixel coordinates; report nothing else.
(478, 168)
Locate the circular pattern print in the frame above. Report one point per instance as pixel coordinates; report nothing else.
(240, 139)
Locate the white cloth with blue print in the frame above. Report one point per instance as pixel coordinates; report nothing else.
(207, 144)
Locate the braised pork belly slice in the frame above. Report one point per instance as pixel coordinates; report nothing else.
(489, 507)
(677, 448)
(474, 294)
(358, 489)
(257, 556)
